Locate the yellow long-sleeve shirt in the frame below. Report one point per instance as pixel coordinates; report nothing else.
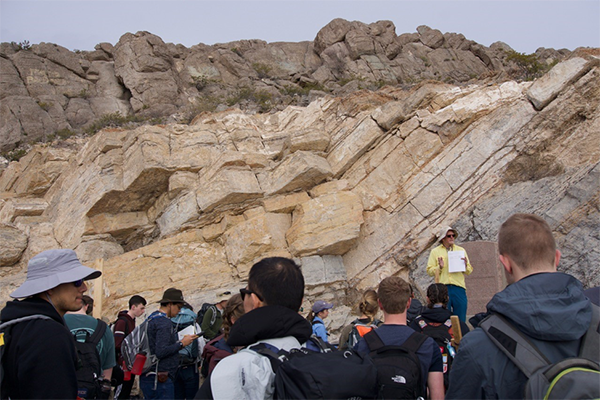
(454, 278)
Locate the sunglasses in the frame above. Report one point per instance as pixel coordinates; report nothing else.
(452, 235)
(78, 283)
(244, 292)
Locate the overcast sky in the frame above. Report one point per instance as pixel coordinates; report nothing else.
(525, 25)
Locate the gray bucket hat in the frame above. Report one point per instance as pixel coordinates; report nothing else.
(51, 268)
(445, 231)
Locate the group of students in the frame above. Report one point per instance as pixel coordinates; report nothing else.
(264, 336)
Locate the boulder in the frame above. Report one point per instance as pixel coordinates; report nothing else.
(143, 58)
(14, 243)
(329, 224)
(258, 237)
(300, 170)
(18, 207)
(545, 89)
(227, 186)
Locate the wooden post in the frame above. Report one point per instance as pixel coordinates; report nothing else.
(98, 292)
(456, 331)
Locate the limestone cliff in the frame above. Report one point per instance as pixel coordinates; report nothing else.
(354, 187)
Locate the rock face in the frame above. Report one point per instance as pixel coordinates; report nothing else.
(353, 187)
(48, 91)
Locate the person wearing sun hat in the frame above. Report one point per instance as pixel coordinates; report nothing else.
(40, 358)
(158, 383)
(437, 265)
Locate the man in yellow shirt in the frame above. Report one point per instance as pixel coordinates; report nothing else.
(455, 281)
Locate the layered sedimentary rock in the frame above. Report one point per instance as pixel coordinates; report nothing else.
(353, 187)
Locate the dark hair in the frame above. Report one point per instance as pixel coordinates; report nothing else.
(527, 239)
(437, 293)
(135, 300)
(89, 302)
(393, 293)
(278, 281)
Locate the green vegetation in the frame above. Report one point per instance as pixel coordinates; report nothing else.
(263, 70)
(304, 89)
(14, 155)
(529, 64)
(201, 81)
(113, 120)
(263, 99)
(64, 133)
(24, 45)
(44, 106)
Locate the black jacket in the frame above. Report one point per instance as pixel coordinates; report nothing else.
(437, 314)
(268, 322)
(40, 357)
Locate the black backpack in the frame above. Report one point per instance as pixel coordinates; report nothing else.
(441, 333)
(203, 310)
(306, 374)
(5, 329)
(398, 367)
(89, 367)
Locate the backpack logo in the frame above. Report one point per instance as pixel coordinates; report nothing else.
(399, 379)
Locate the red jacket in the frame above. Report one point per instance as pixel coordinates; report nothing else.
(123, 327)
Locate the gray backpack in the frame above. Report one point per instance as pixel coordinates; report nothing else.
(571, 378)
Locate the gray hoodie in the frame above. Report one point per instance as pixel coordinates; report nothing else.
(550, 308)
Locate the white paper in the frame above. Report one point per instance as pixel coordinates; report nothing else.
(190, 330)
(456, 262)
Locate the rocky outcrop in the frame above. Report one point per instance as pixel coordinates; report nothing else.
(353, 187)
(49, 92)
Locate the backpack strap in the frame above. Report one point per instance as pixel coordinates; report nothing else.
(590, 346)
(516, 346)
(23, 319)
(213, 318)
(98, 332)
(316, 321)
(272, 354)
(320, 343)
(373, 340)
(414, 342)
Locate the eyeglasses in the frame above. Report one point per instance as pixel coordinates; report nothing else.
(78, 283)
(452, 235)
(244, 292)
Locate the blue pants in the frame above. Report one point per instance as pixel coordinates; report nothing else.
(163, 390)
(187, 382)
(457, 302)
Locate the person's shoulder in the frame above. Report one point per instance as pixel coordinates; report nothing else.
(476, 340)
(243, 359)
(242, 375)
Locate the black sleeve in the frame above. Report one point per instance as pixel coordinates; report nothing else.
(47, 362)
(205, 391)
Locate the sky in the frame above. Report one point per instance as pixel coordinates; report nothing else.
(525, 25)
